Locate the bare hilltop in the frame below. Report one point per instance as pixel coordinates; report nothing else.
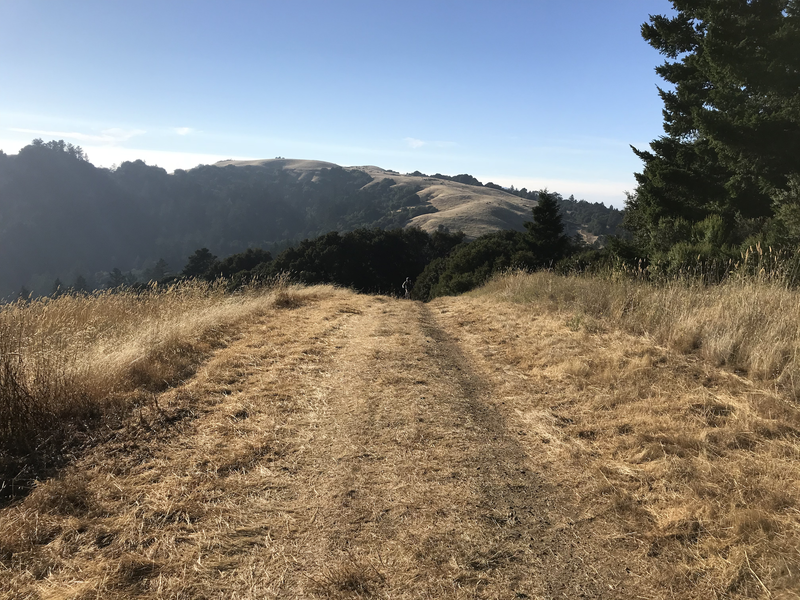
(475, 210)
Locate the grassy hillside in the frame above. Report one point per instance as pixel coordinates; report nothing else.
(76, 365)
(543, 436)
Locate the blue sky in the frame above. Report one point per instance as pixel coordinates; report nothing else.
(535, 93)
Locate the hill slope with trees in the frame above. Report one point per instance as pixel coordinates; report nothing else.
(65, 221)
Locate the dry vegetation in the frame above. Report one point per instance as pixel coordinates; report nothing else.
(73, 364)
(544, 437)
(699, 462)
(747, 325)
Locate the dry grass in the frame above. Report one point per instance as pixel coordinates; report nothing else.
(679, 405)
(348, 446)
(341, 448)
(190, 511)
(747, 325)
(70, 364)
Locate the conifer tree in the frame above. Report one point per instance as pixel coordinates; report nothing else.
(731, 116)
(81, 285)
(200, 263)
(116, 279)
(158, 271)
(546, 231)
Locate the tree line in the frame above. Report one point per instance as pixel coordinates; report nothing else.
(63, 217)
(66, 225)
(379, 260)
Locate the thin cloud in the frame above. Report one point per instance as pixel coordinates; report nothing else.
(416, 143)
(110, 136)
(183, 130)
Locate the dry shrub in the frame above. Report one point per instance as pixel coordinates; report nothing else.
(71, 362)
(35, 387)
(291, 297)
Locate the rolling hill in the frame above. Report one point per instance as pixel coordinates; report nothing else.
(62, 217)
(475, 210)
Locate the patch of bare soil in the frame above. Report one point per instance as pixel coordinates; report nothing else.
(344, 447)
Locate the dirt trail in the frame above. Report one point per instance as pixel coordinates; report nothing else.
(346, 446)
(428, 473)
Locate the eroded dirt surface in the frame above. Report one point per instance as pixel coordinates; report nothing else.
(345, 446)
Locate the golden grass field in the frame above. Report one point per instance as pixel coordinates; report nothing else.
(543, 437)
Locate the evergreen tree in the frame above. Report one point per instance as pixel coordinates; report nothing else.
(200, 263)
(471, 265)
(546, 231)
(116, 279)
(158, 271)
(58, 288)
(244, 261)
(731, 118)
(81, 286)
(368, 260)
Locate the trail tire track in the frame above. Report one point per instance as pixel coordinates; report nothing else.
(344, 447)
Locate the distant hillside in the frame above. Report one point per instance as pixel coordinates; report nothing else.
(463, 203)
(62, 217)
(593, 221)
(473, 209)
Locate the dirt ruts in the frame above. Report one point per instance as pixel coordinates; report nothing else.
(345, 447)
(421, 486)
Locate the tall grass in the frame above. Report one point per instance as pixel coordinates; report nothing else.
(698, 462)
(68, 361)
(749, 324)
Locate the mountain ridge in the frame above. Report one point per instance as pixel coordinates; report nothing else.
(63, 218)
(459, 207)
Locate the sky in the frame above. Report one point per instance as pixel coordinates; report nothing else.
(530, 93)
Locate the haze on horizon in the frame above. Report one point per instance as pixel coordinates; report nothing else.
(530, 94)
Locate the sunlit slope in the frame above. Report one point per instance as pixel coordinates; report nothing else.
(343, 445)
(472, 209)
(280, 163)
